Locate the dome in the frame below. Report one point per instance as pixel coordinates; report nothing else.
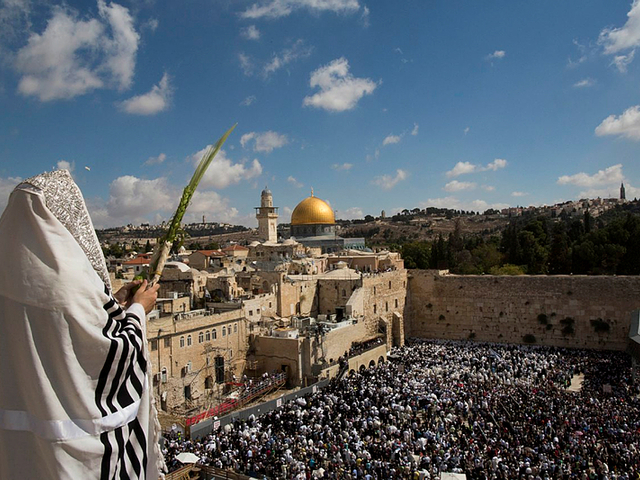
(312, 211)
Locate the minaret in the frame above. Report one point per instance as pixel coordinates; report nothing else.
(622, 193)
(267, 216)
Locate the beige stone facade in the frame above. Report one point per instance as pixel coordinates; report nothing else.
(559, 310)
(185, 350)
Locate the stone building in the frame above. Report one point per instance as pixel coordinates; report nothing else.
(194, 354)
(267, 216)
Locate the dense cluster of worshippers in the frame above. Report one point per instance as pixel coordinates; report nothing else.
(488, 411)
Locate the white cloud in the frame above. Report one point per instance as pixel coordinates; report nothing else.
(223, 172)
(122, 45)
(297, 51)
(391, 139)
(250, 33)
(133, 199)
(615, 40)
(496, 55)
(72, 57)
(248, 101)
(65, 165)
(283, 8)
(387, 182)
(339, 90)
(156, 160)
(151, 24)
(414, 132)
(462, 168)
(6, 187)
(456, 186)
(519, 194)
(626, 125)
(466, 130)
(622, 61)
(342, 166)
(350, 213)
(488, 188)
(609, 176)
(497, 164)
(375, 156)
(246, 64)
(213, 205)
(265, 141)
(585, 83)
(611, 192)
(455, 203)
(152, 102)
(294, 182)
(364, 18)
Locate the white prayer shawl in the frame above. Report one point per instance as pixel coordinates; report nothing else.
(74, 396)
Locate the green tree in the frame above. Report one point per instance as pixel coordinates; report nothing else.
(559, 253)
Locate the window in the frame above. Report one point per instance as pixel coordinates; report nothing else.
(396, 303)
(167, 342)
(375, 308)
(224, 331)
(251, 313)
(154, 345)
(386, 306)
(214, 334)
(163, 375)
(235, 328)
(374, 290)
(231, 353)
(207, 335)
(181, 342)
(189, 340)
(389, 284)
(189, 367)
(200, 337)
(344, 292)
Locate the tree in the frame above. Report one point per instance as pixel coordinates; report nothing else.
(559, 253)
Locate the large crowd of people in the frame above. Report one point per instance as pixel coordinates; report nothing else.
(488, 411)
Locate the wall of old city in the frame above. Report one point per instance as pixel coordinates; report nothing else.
(385, 293)
(567, 311)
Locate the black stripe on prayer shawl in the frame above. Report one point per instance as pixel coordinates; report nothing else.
(125, 448)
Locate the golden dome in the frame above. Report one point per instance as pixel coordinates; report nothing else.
(312, 211)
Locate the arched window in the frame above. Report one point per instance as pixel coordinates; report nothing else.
(201, 337)
(189, 340)
(235, 328)
(207, 335)
(224, 331)
(163, 375)
(181, 342)
(214, 334)
(375, 308)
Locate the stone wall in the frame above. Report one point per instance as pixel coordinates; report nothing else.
(570, 311)
(385, 294)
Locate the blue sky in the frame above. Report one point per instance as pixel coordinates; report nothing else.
(376, 105)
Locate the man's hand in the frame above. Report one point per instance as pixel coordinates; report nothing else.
(146, 297)
(125, 294)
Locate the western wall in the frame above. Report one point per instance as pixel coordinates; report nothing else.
(591, 312)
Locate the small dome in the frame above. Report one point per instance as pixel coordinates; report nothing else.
(266, 191)
(312, 211)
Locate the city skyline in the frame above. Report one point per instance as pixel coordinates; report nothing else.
(375, 106)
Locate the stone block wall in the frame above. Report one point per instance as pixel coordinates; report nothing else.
(570, 311)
